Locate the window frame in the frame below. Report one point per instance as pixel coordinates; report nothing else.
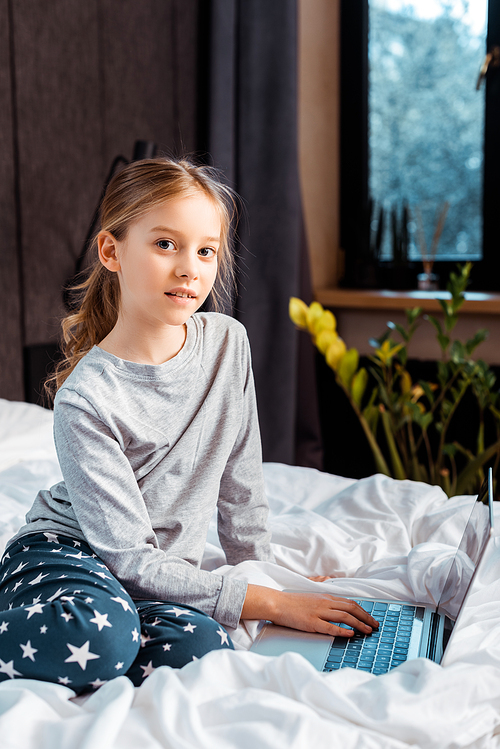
(354, 158)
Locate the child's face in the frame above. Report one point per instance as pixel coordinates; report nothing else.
(167, 263)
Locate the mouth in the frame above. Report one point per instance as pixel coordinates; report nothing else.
(180, 294)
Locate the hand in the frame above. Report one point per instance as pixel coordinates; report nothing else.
(308, 612)
(322, 612)
(321, 578)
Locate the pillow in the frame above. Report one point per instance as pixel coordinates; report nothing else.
(25, 433)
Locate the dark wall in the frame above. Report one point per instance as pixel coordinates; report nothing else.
(79, 83)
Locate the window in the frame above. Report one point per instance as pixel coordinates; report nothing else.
(415, 132)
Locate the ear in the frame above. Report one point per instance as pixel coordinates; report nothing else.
(107, 247)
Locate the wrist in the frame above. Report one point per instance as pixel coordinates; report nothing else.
(261, 603)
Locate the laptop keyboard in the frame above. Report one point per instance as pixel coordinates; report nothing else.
(384, 649)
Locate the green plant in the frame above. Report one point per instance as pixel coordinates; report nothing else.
(407, 423)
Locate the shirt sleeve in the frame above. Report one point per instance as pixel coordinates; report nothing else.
(243, 508)
(110, 511)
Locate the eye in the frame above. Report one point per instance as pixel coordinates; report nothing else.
(207, 252)
(165, 244)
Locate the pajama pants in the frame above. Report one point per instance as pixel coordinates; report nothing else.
(64, 618)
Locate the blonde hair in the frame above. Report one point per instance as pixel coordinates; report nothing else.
(138, 188)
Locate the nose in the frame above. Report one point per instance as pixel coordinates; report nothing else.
(187, 266)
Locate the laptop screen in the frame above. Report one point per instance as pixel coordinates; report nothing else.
(469, 552)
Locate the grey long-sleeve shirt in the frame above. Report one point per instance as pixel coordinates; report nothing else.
(148, 451)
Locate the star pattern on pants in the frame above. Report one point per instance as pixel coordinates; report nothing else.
(223, 636)
(123, 602)
(148, 670)
(38, 579)
(37, 608)
(101, 620)
(81, 655)
(97, 683)
(8, 668)
(51, 538)
(80, 555)
(28, 651)
(179, 612)
(87, 613)
(19, 568)
(57, 594)
(103, 575)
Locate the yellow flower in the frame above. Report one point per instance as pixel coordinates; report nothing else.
(327, 321)
(335, 352)
(314, 312)
(324, 339)
(417, 392)
(385, 353)
(297, 309)
(314, 318)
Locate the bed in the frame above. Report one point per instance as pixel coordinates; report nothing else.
(377, 536)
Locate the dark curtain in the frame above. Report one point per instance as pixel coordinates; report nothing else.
(248, 79)
(80, 82)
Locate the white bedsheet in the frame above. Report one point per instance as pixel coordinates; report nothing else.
(378, 536)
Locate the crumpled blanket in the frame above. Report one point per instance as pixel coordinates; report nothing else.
(376, 537)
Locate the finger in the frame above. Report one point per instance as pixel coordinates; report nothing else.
(330, 628)
(351, 607)
(343, 617)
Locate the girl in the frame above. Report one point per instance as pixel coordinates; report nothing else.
(155, 425)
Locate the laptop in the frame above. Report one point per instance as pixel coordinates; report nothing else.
(406, 630)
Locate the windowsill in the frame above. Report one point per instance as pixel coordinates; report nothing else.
(475, 302)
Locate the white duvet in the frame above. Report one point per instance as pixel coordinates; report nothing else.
(377, 536)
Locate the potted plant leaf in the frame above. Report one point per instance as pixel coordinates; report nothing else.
(406, 423)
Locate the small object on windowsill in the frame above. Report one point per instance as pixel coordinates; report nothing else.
(427, 282)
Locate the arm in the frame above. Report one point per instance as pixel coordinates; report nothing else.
(309, 612)
(242, 507)
(243, 534)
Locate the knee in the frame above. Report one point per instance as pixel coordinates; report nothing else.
(116, 643)
(177, 634)
(189, 624)
(175, 640)
(102, 643)
(209, 633)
